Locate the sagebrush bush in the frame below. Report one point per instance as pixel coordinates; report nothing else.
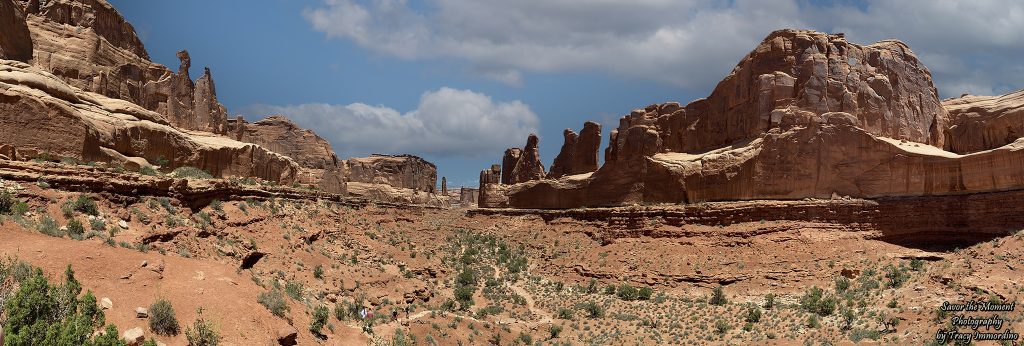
(294, 289)
(75, 228)
(202, 332)
(274, 301)
(48, 226)
(627, 292)
(319, 320)
(85, 205)
(191, 172)
(162, 319)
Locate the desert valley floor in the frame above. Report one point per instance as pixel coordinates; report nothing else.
(628, 275)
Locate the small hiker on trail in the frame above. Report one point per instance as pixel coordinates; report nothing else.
(394, 314)
(362, 313)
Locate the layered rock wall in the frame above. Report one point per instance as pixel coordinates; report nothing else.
(400, 171)
(58, 120)
(528, 167)
(578, 153)
(984, 122)
(320, 166)
(16, 40)
(805, 114)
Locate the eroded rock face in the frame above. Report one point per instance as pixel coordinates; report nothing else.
(281, 135)
(400, 171)
(508, 163)
(89, 45)
(820, 160)
(186, 104)
(97, 16)
(883, 85)
(40, 113)
(806, 114)
(528, 167)
(320, 166)
(16, 41)
(492, 193)
(467, 197)
(578, 153)
(984, 122)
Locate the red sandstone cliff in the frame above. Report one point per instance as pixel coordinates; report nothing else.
(805, 114)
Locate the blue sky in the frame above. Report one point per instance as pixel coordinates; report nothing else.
(457, 81)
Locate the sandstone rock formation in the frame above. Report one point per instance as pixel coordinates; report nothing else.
(984, 122)
(444, 186)
(400, 171)
(60, 120)
(508, 163)
(579, 152)
(320, 166)
(89, 45)
(805, 114)
(392, 194)
(795, 73)
(467, 197)
(186, 104)
(492, 193)
(528, 167)
(16, 41)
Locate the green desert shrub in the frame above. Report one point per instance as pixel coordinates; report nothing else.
(39, 313)
(191, 172)
(319, 320)
(645, 293)
(274, 301)
(6, 202)
(815, 301)
(718, 296)
(627, 292)
(162, 319)
(202, 332)
(75, 228)
(85, 205)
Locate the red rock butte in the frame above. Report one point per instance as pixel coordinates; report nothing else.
(804, 115)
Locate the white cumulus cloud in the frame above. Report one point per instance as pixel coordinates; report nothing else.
(971, 46)
(447, 122)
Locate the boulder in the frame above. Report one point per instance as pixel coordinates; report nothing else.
(141, 312)
(286, 336)
(106, 304)
(135, 336)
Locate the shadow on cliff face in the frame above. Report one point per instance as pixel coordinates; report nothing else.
(943, 241)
